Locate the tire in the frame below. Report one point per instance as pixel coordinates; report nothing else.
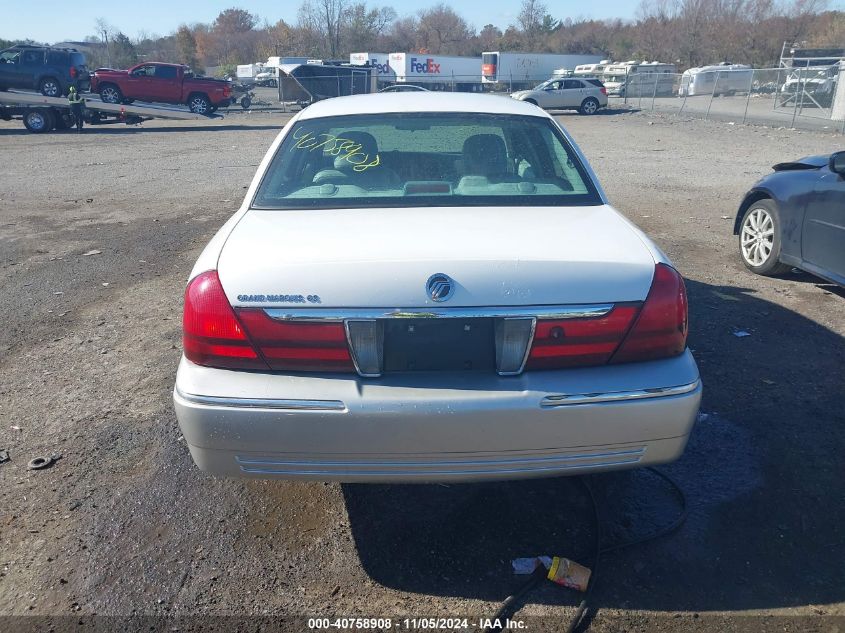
(589, 106)
(109, 93)
(759, 239)
(39, 120)
(50, 87)
(199, 104)
(246, 102)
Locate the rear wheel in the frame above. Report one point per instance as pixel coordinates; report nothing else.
(590, 105)
(246, 102)
(110, 93)
(199, 104)
(50, 87)
(38, 120)
(759, 239)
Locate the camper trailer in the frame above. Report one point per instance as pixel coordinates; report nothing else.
(720, 79)
(591, 71)
(640, 79)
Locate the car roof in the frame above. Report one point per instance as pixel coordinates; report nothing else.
(419, 101)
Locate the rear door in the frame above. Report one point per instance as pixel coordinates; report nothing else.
(572, 93)
(823, 235)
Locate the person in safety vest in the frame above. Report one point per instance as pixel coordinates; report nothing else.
(77, 104)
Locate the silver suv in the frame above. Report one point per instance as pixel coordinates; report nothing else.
(585, 95)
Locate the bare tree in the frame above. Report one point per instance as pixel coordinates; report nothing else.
(324, 17)
(441, 30)
(530, 16)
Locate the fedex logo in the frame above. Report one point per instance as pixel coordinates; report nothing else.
(426, 67)
(381, 69)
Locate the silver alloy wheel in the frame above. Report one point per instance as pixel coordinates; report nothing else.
(50, 88)
(757, 238)
(109, 95)
(590, 107)
(198, 105)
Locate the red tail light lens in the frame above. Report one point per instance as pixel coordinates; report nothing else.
(211, 333)
(215, 335)
(580, 342)
(661, 328)
(603, 90)
(73, 72)
(298, 346)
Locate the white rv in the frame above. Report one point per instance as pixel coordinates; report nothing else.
(720, 79)
(591, 71)
(639, 79)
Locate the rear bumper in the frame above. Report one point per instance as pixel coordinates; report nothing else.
(429, 427)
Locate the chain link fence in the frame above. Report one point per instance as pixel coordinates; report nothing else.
(802, 98)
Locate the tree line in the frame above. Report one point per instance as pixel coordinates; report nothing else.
(686, 32)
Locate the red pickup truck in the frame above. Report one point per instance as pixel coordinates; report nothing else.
(162, 83)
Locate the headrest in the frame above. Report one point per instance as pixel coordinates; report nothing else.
(484, 155)
(368, 144)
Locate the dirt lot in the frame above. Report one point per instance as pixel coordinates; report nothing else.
(124, 524)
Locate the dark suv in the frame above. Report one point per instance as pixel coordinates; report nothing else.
(51, 71)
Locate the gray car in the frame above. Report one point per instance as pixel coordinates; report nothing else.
(585, 95)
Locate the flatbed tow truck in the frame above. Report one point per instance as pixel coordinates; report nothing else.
(41, 114)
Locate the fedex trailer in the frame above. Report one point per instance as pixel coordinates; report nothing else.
(515, 71)
(437, 72)
(379, 61)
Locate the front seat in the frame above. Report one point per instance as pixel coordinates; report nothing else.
(485, 155)
(344, 173)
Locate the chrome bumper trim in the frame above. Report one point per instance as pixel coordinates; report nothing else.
(563, 400)
(264, 403)
(538, 312)
(425, 473)
(625, 454)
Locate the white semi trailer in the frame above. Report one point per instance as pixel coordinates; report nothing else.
(379, 61)
(515, 71)
(437, 72)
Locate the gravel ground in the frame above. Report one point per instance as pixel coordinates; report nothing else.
(124, 524)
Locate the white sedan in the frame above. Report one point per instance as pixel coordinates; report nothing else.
(431, 287)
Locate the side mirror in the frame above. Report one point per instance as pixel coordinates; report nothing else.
(837, 163)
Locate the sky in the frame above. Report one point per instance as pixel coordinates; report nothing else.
(53, 21)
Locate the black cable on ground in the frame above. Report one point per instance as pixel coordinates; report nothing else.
(583, 615)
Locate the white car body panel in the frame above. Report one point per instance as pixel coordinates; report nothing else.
(381, 257)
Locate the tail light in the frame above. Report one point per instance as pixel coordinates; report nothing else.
(660, 330)
(215, 335)
(603, 90)
(73, 72)
(211, 333)
(227, 90)
(297, 346)
(628, 333)
(580, 342)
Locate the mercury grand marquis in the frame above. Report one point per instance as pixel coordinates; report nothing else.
(431, 287)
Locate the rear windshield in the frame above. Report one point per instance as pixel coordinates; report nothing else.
(412, 160)
(77, 59)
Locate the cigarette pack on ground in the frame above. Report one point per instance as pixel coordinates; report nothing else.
(569, 574)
